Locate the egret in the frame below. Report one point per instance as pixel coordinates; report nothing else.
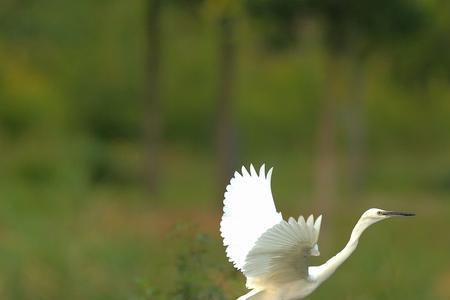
(273, 253)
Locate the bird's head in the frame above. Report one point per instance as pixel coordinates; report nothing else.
(375, 214)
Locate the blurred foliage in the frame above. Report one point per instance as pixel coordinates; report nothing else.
(192, 270)
(375, 20)
(195, 270)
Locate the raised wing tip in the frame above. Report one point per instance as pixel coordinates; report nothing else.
(291, 220)
(269, 174)
(318, 223)
(244, 172)
(310, 221)
(301, 220)
(262, 171)
(253, 171)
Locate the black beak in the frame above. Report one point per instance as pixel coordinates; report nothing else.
(397, 214)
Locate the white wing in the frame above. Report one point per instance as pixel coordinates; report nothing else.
(280, 254)
(248, 212)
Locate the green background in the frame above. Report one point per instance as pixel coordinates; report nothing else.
(77, 220)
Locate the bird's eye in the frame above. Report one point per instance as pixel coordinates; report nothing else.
(379, 212)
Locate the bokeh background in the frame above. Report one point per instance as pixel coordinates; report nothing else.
(121, 122)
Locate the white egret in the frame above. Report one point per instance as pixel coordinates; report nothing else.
(273, 253)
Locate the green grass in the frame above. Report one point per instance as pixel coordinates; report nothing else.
(65, 239)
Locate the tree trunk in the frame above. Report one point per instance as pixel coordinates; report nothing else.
(326, 161)
(356, 130)
(225, 140)
(153, 97)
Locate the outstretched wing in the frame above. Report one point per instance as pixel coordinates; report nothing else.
(248, 212)
(280, 254)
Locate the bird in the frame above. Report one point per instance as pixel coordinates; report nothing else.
(272, 252)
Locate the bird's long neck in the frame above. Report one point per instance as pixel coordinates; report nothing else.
(328, 268)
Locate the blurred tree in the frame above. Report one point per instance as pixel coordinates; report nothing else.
(283, 20)
(224, 15)
(351, 30)
(354, 30)
(356, 127)
(153, 118)
(326, 156)
(278, 21)
(225, 140)
(425, 58)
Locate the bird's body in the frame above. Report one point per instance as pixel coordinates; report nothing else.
(271, 252)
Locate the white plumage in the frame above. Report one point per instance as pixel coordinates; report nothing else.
(273, 253)
(244, 221)
(280, 253)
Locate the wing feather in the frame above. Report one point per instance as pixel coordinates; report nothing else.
(248, 212)
(281, 254)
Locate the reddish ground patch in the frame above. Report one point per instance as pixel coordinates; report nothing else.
(443, 285)
(144, 222)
